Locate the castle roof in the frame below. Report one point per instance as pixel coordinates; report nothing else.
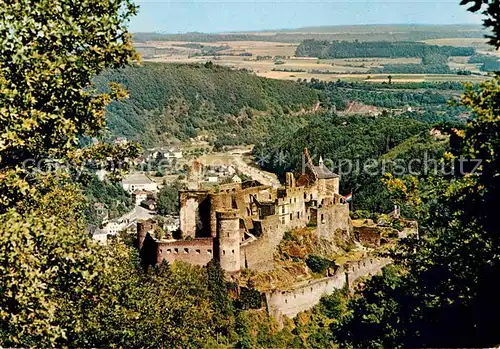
(324, 172)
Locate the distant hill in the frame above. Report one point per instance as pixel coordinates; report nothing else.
(468, 29)
(181, 101)
(340, 33)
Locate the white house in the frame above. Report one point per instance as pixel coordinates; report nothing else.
(139, 181)
(140, 195)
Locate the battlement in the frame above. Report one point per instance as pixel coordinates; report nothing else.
(306, 295)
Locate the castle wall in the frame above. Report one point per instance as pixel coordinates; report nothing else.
(364, 267)
(197, 251)
(259, 254)
(306, 296)
(332, 217)
(292, 208)
(368, 236)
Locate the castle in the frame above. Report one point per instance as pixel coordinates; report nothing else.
(242, 226)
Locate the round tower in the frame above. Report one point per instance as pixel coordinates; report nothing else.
(228, 235)
(143, 228)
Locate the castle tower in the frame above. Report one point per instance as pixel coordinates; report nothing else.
(143, 228)
(290, 180)
(228, 235)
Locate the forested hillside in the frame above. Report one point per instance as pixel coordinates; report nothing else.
(180, 101)
(345, 49)
(488, 63)
(348, 144)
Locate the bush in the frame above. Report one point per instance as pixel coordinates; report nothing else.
(318, 264)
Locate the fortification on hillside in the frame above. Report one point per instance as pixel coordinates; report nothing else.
(242, 226)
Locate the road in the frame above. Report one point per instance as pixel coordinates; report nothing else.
(263, 177)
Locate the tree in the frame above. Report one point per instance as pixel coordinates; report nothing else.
(51, 273)
(491, 11)
(221, 303)
(168, 199)
(441, 291)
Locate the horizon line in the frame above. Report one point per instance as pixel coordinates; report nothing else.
(229, 32)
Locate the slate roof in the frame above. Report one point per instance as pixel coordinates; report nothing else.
(324, 173)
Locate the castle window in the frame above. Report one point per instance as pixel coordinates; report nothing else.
(176, 250)
(209, 251)
(290, 200)
(311, 196)
(291, 216)
(294, 200)
(298, 215)
(169, 251)
(224, 252)
(232, 251)
(198, 251)
(322, 218)
(186, 250)
(286, 300)
(305, 196)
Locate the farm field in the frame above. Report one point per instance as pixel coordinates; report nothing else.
(288, 67)
(479, 44)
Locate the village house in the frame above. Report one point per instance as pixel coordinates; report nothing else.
(139, 181)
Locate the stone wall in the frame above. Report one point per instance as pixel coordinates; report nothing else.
(258, 254)
(368, 236)
(364, 267)
(192, 207)
(331, 218)
(304, 296)
(197, 251)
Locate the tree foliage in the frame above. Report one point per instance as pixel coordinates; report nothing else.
(346, 49)
(168, 199)
(443, 290)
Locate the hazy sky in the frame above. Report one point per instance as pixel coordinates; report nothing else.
(238, 15)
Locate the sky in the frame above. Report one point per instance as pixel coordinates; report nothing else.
(212, 16)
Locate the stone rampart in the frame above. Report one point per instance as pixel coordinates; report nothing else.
(364, 267)
(196, 251)
(304, 296)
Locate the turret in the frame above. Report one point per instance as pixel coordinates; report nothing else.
(143, 228)
(228, 235)
(290, 180)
